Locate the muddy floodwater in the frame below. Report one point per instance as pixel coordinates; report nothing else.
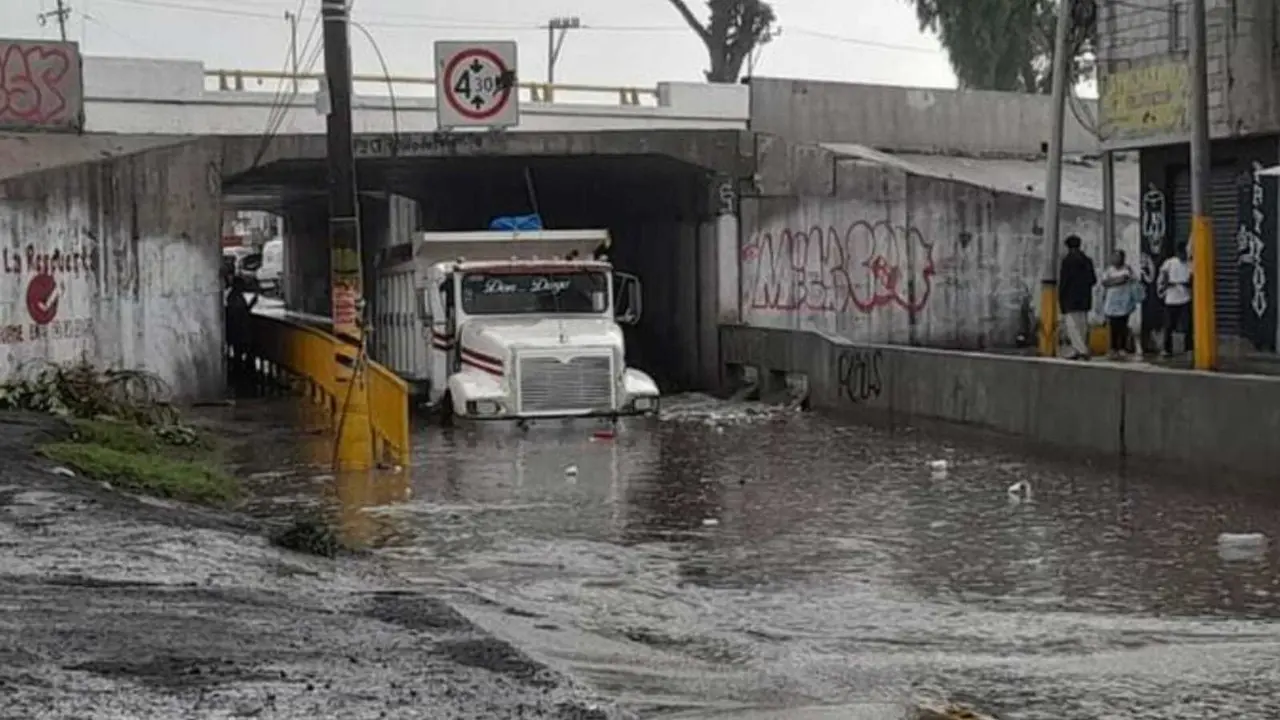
(731, 563)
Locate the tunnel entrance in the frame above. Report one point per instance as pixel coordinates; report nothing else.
(657, 209)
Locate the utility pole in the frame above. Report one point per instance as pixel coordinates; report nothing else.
(1053, 186)
(292, 19)
(62, 12)
(353, 440)
(555, 41)
(1203, 319)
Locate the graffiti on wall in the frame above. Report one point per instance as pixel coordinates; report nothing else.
(1144, 101)
(43, 281)
(861, 267)
(1153, 246)
(1153, 220)
(1255, 245)
(859, 375)
(40, 86)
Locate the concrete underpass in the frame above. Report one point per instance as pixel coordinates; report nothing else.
(658, 193)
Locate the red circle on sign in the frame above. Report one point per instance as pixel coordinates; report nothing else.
(42, 301)
(502, 98)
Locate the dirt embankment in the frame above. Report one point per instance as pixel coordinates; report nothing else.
(116, 606)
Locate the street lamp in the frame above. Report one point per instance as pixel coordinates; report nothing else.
(556, 41)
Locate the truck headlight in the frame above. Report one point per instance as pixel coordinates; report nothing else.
(646, 403)
(484, 407)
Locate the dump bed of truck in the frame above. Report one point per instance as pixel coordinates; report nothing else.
(429, 248)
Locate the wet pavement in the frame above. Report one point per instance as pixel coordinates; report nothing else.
(785, 565)
(121, 608)
(727, 561)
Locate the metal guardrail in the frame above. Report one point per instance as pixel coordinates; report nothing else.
(291, 355)
(231, 80)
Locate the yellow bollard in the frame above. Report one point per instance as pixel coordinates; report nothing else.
(1049, 319)
(1203, 319)
(1099, 340)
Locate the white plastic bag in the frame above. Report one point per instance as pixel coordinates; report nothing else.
(1096, 318)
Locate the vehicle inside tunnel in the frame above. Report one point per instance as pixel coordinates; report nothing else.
(656, 208)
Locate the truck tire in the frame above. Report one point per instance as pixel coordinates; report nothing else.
(446, 410)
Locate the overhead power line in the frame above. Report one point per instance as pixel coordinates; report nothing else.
(420, 22)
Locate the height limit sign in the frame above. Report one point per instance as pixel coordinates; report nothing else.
(476, 85)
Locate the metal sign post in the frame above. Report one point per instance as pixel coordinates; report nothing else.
(476, 85)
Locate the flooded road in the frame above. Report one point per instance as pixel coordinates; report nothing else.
(723, 564)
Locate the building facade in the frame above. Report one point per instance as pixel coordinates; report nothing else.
(1144, 106)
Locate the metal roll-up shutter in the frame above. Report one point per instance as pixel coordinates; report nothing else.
(1223, 199)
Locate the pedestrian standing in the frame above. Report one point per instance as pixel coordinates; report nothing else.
(1076, 279)
(1122, 293)
(1174, 287)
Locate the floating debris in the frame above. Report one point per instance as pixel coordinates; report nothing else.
(1020, 491)
(64, 472)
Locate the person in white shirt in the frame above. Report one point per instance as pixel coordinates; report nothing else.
(1174, 288)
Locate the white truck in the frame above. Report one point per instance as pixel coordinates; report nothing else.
(498, 325)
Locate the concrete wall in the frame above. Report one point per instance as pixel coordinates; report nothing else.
(1185, 420)
(118, 262)
(31, 152)
(891, 257)
(1142, 53)
(909, 119)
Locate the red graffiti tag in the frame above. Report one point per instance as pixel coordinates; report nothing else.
(868, 266)
(33, 84)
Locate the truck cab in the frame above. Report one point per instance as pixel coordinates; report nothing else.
(517, 326)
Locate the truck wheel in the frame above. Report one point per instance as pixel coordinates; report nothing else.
(446, 410)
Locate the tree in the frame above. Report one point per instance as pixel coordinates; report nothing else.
(733, 31)
(1008, 44)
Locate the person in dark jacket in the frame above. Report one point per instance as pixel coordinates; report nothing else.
(1076, 279)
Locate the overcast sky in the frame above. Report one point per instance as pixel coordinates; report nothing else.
(627, 42)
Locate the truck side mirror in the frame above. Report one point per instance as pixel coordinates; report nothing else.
(627, 302)
(424, 306)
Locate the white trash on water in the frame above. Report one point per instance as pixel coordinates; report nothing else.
(710, 522)
(1019, 492)
(938, 465)
(1242, 539)
(1238, 547)
(571, 471)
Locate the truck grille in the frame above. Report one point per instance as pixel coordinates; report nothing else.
(552, 384)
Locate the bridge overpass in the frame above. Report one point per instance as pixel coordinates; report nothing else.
(693, 181)
(133, 96)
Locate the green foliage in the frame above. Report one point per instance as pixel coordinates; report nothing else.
(1007, 44)
(81, 390)
(144, 471)
(123, 431)
(733, 30)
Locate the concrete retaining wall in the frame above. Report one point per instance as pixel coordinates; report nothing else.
(891, 257)
(117, 261)
(1187, 419)
(909, 119)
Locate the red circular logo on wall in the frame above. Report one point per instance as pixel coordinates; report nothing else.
(42, 298)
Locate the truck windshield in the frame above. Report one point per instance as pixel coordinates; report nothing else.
(515, 293)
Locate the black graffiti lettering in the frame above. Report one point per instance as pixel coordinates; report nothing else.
(859, 374)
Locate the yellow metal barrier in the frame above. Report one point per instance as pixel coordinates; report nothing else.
(287, 355)
(230, 80)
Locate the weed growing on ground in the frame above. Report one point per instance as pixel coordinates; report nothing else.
(123, 431)
(312, 536)
(146, 472)
(168, 465)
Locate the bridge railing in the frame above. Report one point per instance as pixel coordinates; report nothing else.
(270, 81)
(284, 354)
